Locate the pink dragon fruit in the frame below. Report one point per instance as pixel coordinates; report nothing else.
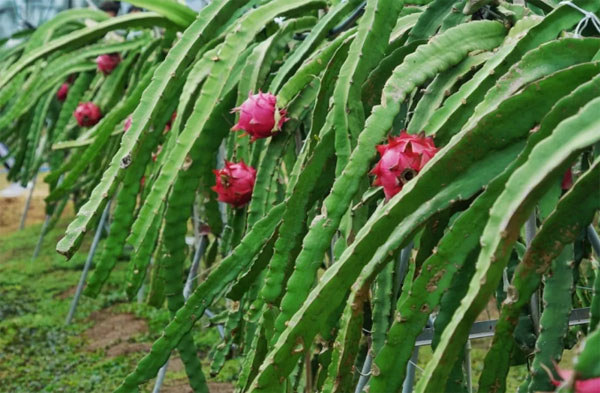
(591, 385)
(259, 116)
(107, 63)
(62, 92)
(87, 114)
(401, 159)
(234, 183)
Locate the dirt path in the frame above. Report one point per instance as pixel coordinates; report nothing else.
(117, 333)
(181, 386)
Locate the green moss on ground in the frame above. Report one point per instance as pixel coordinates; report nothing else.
(38, 352)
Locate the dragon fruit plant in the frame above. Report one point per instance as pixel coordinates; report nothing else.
(466, 114)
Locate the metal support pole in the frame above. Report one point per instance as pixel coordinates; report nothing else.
(141, 292)
(88, 263)
(365, 373)
(220, 328)
(409, 381)
(189, 282)
(28, 203)
(467, 366)
(400, 270)
(91, 4)
(331, 253)
(483, 329)
(38, 246)
(160, 377)
(594, 239)
(530, 228)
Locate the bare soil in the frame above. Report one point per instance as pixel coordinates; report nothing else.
(11, 208)
(182, 386)
(68, 294)
(115, 333)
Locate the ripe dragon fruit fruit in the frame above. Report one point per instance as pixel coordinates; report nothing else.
(107, 63)
(62, 92)
(259, 116)
(235, 182)
(401, 159)
(87, 114)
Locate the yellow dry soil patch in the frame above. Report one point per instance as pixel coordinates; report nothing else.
(11, 208)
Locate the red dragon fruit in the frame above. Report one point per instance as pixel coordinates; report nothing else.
(259, 116)
(401, 159)
(87, 114)
(107, 63)
(62, 92)
(235, 183)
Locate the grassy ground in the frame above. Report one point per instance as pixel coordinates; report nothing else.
(38, 353)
